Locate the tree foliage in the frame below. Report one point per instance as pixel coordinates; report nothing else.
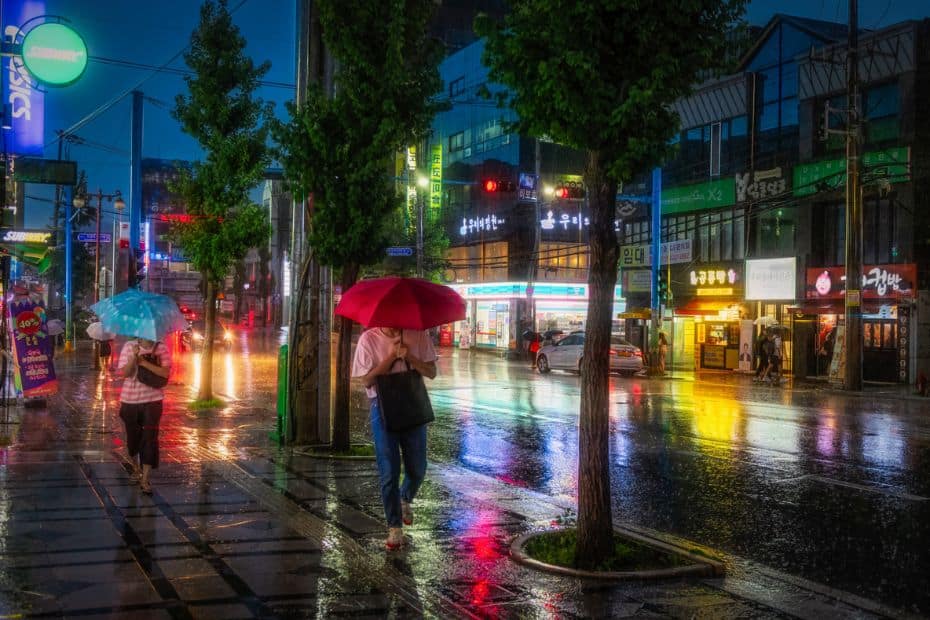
(601, 76)
(338, 146)
(221, 112)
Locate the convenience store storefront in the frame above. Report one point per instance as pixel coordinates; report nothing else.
(494, 311)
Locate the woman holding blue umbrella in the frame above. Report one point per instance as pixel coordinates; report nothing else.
(145, 364)
(141, 403)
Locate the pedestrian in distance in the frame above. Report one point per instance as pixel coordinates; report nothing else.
(105, 351)
(762, 353)
(381, 351)
(141, 404)
(663, 351)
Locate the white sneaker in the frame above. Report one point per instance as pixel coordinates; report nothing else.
(395, 539)
(406, 512)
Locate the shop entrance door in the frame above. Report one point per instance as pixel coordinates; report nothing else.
(878, 350)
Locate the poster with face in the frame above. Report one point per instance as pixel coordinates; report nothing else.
(33, 348)
(745, 346)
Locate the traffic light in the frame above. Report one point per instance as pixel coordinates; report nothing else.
(662, 286)
(498, 186)
(138, 267)
(570, 191)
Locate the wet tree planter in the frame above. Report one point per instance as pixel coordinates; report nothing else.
(636, 557)
(357, 452)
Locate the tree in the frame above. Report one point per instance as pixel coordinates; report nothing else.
(339, 149)
(400, 229)
(601, 76)
(221, 113)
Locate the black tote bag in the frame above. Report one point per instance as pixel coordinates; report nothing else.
(146, 376)
(403, 400)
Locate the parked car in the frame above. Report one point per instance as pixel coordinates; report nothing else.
(192, 339)
(625, 358)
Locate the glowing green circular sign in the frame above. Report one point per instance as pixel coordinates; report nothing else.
(54, 54)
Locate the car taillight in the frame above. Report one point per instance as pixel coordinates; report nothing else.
(612, 352)
(638, 353)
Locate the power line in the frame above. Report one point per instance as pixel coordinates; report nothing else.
(93, 115)
(174, 70)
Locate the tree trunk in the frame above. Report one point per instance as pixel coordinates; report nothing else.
(304, 356)
(595, 526)
(209, 328)
(342, 408)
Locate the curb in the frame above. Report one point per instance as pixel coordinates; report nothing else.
(332, 457)
(701, 567)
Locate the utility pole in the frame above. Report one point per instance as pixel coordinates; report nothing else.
(853, 338)
(311, 293)
(135, 183)
(419, 232)
(656, 256)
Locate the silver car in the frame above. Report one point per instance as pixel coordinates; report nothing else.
(625, 358)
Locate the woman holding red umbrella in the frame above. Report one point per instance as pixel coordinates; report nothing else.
(398, 312)
(380, 351)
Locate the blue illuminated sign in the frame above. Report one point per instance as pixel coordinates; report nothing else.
(27, 137)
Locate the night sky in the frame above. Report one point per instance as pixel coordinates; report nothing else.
(151, 33)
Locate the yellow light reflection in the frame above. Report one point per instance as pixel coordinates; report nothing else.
(230, 376)
(198, 362)
(716, 419)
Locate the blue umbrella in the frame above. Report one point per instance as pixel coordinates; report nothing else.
(140, 315)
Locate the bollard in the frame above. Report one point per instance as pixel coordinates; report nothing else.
(280, 433)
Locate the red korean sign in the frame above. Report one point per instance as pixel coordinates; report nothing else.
(878, 282)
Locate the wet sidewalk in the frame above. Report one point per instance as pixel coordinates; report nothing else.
(238, 528)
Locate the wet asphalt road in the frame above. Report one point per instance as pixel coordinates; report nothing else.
(828, 487)
(832, 488)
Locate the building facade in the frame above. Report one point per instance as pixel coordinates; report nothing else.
(753, 209)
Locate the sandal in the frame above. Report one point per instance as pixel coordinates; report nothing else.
(135, 477)
(145, 486)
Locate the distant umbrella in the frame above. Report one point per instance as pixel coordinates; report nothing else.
(96, 331)
(765, 321)
(54, 327)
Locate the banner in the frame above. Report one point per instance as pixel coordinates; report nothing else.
(838, 362)
(746, 341)
(27, 104)
(33, 348)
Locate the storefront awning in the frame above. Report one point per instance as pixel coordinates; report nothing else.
(636, 313)
(702, 307)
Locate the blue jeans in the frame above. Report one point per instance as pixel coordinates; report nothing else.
(388, 449)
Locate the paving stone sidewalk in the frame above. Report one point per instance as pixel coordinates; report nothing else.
(243, 529)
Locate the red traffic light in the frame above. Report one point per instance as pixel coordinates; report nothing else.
(490, 185)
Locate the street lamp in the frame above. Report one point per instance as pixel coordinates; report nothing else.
(423, 183)
(79, 202)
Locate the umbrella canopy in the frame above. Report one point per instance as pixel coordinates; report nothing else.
(140, 315)
(765, 321)
(55, 327)
(95, 330)
(402, 303)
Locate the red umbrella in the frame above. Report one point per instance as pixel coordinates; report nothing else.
(402, 303)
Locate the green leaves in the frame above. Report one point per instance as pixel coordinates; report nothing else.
(602, 75)
(221, 113)
(340, 149)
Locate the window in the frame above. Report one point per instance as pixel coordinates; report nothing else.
(715, 138)
(457, 142)
(881, 104)
(716, 236)
(776, 231)
(457, 86)
(879, 242)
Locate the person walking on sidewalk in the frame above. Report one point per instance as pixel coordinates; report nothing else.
(141, 405)
(663, 351)
(377, 353)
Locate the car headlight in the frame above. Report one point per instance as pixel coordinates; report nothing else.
(197, 336)
(227, 335)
